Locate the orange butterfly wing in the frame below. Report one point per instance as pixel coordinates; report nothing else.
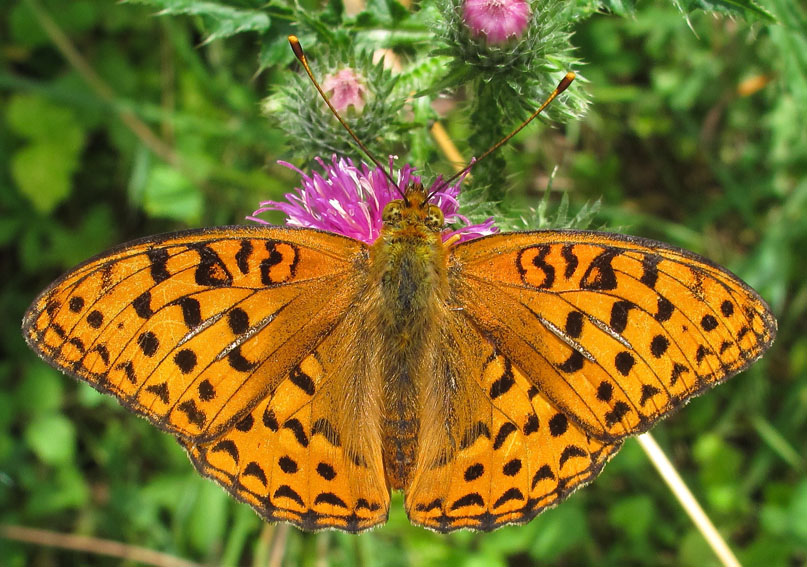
(206, 331)
(512, 455)
(570, 341)
(291, 457)
(616, 331)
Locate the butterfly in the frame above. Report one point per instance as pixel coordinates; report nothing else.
(310, 374)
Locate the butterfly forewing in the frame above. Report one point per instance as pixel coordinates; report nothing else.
(192, 329)
(615, 331)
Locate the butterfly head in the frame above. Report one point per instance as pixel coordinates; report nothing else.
(413, 209)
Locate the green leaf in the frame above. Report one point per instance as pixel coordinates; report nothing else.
(219, 20)
(52, 438)
(41, 390)
(37, 119)
(43, 174)
(170, 194)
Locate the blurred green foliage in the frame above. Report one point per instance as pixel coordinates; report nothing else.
(116, 123)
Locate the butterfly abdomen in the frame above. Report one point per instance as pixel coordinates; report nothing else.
(409, 268)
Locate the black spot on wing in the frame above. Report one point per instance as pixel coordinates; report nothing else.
(619, 315)
(226, 446)
(677, 371)
(659, 345)
(503, 384)
(664, 309)
(286, 491)
(185, 360)
(474, 472)
(254, 470)
(330, 498)
(142, 305)
(511, 467)
(269, 419)
(287, 464)
(297, 429)
(650, 270)
(191, 311)
(435, 504)
(509, 494)
(95, 319)
(206, 391)
(648, 391)
(573, 363)
(504, 432)
(211, 271)
(242, 256)
(246, 423)
(605, 391)
(195, 416)
(76, 304)
(160, 390)
(103, 352)
(326, 471)
(624, 361)
(574, 324)
(570, 259)
(471, 499)
(302, 381)
(599, 275)
(128, 370)
(708, 323)
(543, 473)
(238, 320)
(558, 424)
(617, 413)
(158, 257)
(569, 452)
(238, 362)
(531, 425)
(148, 343)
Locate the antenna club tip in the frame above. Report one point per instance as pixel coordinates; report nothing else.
(296, 47)
(566, 81)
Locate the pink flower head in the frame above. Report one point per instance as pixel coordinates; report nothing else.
(497, 20)
(349, 200)
(346, 88)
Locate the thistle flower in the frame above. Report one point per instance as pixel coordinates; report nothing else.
(496, 20)
(349, 200)
(346, 88)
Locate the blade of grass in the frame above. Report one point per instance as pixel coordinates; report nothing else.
(693, 509)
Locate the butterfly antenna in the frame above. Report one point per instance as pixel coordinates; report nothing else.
(300, 55)
(562, 86)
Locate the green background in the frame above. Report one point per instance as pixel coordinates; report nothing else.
(675, 146)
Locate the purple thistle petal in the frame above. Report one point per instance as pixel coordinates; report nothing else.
(349, 200)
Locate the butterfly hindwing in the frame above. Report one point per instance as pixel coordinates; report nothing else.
(614, 330)
(192, 329)
(513, 455)
(291, 457)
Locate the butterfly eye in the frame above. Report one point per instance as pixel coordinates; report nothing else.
(392, 212)
(434, 217)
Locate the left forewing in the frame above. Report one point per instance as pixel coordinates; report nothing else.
(192, 329)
